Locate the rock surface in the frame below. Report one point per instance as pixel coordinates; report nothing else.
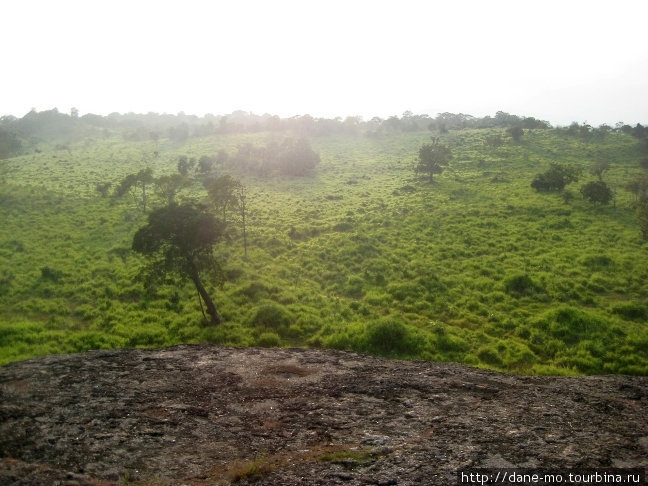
(206, 415)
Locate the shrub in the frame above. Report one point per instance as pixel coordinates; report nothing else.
(631, 311)
(48, 273)
(272, 316)
(390, 337)
(520, 285)
(344, 226)
(406, 290)
(571, 325)
(597, 261)
(5, 282)
(269, 340)
(354, 287)
(85, 340)
(254, 291)
(489, 356)
(447, 343)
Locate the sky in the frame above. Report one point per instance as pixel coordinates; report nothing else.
(560, 61)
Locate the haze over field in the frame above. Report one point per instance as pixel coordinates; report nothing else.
(556, 61)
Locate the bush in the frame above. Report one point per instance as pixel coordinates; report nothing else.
(597, 192)
(254, 291)
(571, 325)
(631, 311)
(269, 340)
(597, 261)
(272, 316)
(354, 287)
(489, 356)
(520, 285)
(5, 282)
(48, 273)
(389, 337)
(85, 340)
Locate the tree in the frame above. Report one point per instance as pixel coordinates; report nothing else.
(240, 192)
(597, 192)
(179, 133)
(433, 159)
(642, 217)
(599, 167)
(10, 144)
(179, 239)
(555, 178)
(137, 185)
(638, 186)
(206, 164)
(222, 193)
(296, 157)
(494, 141)
(515, 132)
(168, 186)
(103, 188)
(185, 165)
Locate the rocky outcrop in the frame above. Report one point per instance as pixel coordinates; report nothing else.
(205, 415)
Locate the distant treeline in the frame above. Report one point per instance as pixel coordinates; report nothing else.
(21, 134)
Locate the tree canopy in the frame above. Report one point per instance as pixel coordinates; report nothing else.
(556, 178)
(222, 193)
(137, 185)
(433, 159)
(597, 192)
(179, 239)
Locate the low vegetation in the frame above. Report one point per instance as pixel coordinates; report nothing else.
(518, 257)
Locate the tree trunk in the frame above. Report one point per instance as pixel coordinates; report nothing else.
(202, 291)
(245, 245)
(144, 197)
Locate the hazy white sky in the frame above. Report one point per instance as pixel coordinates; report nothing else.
(560, 61)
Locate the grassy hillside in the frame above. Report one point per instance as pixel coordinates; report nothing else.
(362, 254)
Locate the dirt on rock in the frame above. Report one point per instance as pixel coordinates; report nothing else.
(206, 415)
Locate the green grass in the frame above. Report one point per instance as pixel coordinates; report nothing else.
(362, 255)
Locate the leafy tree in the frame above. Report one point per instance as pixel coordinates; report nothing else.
(585, 131)
(240, 193)
(597, 192)
(168, 186)
(293, 157)
(103, 188)
(530, 123)
(638, 186)
(296, 157)
(494, 141)
(642, 216)
(567, 196)
(223, 193)
(603, 130)
(556, 178)
(433, 159)
(10, 144)
(137, 185)
(639, 131)
(185, 165)
(206, 164)
(179, 239)
(515, 132)
(179, 133)
(599, 167)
